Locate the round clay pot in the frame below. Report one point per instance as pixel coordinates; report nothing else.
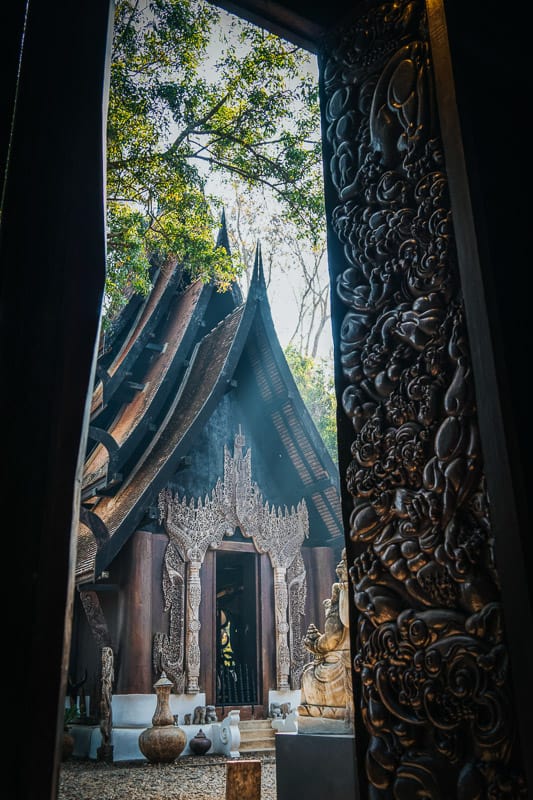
(162, 743)
(200, 743)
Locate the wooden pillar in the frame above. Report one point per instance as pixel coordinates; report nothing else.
(159, 615)
(320, 568)
(281, 605)
(136, 635)
(266, 593)
(52, 257)
(192, 644)
(208, 642)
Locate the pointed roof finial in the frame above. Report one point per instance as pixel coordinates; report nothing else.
(223, 238)
(258, 282)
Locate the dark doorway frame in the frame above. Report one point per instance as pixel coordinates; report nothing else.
(244, 602)
(265, 625)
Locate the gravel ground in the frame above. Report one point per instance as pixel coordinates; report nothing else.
(187, 778)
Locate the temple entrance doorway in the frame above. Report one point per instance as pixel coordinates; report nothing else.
(236, 629)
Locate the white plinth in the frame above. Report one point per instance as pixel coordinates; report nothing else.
(132, 713)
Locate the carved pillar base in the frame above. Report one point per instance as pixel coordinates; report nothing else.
(105, 753)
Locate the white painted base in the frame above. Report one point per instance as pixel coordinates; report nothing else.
(138, 709)
(125, 741)
(133, 713)
(292, 696)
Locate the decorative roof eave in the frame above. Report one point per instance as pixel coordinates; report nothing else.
(292, 391)
(123, 512)
(150, 314)
(302, 432)
(131, 425)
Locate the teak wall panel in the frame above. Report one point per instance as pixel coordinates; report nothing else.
(320, 575)
(160, 617)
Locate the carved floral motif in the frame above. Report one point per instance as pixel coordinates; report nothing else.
(193, 527)
(169, 650)
(434, 678)
(106, 713)
(96, 618)
(297, 592)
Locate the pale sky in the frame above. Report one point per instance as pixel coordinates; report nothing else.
(284, 283)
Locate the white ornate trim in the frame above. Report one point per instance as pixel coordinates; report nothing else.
(236, 502)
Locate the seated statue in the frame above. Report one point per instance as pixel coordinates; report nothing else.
(327, 680)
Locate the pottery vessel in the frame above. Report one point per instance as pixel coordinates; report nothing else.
(67, 745)
(165, 740)
(200, 743)
(163, 743)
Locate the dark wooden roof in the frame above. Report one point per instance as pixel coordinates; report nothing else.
(300, 21)
(138, 416)
(150, 311)
(182, 385)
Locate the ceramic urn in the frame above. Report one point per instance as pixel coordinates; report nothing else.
(164, 741)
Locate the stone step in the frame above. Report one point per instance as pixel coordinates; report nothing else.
(257, 735)
(257, 744)
(256, 725)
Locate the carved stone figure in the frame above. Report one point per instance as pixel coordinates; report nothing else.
(199, 716)
(326, 700)
(285, 709)
(210, 714)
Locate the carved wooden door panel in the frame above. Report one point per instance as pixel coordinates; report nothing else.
(432, 679)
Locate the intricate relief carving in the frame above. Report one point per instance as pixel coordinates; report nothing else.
(194, 595)
(168, 650)
(297, 589)
(96, 619)
(106, 714)
(431, 656)
(193, 527)
(235, 502)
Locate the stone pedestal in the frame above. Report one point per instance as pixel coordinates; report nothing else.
(322, 726)
(315, 767)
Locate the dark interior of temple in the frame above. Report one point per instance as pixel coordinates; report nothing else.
(236, 629)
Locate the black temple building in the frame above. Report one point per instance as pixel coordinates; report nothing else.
(210, 524)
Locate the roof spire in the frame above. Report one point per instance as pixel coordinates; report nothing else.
(258, 284)
(223, 238)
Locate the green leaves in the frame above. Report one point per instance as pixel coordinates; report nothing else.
(182, 108)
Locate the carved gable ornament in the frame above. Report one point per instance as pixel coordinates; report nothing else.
(194, 526)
